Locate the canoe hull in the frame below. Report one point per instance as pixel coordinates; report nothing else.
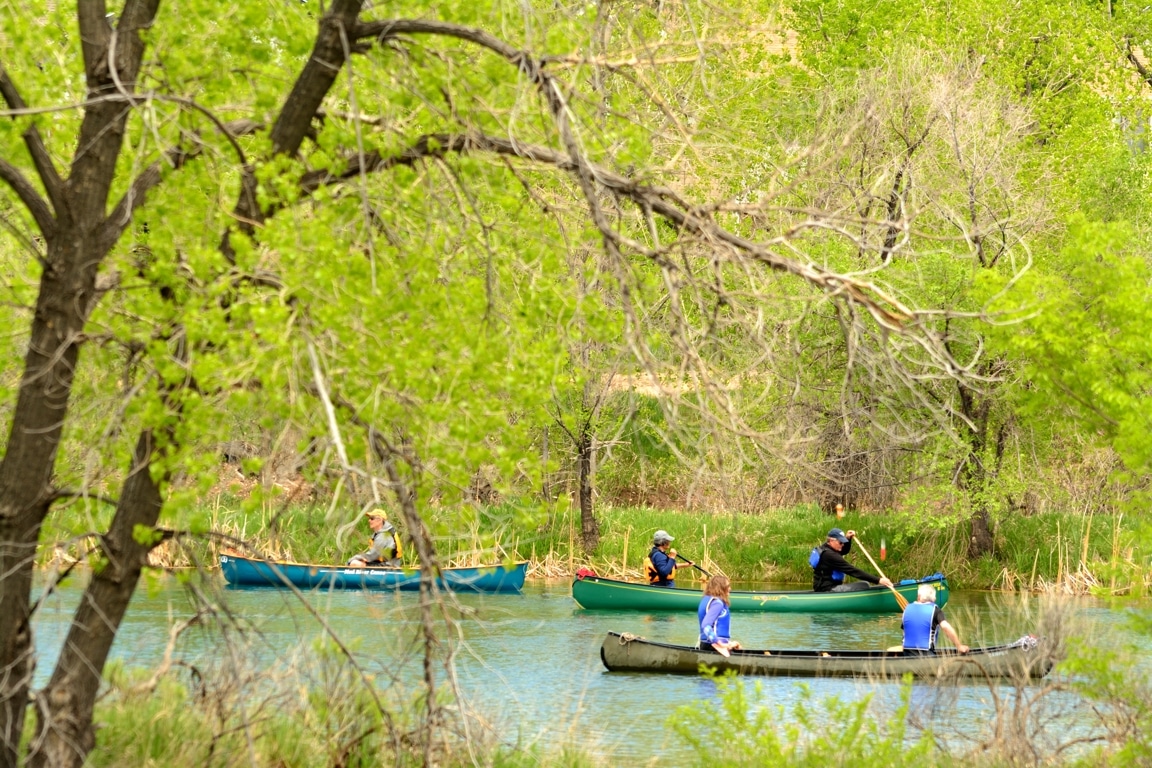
(253, 572)
(1020, 660)
(595, 592)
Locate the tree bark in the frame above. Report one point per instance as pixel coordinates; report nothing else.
(64, 733)
(976, 476)
(335, 42)
(589, 526)
(79, 235)
(78, 241)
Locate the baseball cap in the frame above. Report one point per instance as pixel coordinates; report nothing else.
(660, 536)
(838, 534)
(376, 513)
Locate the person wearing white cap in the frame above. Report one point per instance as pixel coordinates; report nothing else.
(385, 544)
(921, 620)
(661, 561)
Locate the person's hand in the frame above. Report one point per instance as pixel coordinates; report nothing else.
(850, 534)
(886, 582)
(672, 554)
(734, 645)
(356, 561)
(962, 649)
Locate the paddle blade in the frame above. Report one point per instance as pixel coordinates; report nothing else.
(721, 649)
(883, 550)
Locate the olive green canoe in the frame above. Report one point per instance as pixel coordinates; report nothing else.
(1026, 658)
(595, 592)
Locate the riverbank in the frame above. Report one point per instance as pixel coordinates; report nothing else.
(1052, 552)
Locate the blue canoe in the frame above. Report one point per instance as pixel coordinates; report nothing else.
(253, 572)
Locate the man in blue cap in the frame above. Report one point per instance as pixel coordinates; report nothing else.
(830, 569)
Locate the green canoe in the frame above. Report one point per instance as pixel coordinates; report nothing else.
(598, 593)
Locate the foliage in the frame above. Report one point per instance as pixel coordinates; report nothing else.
(172, 724)
(802, 242)
(1112, 678)
(738, 730)
(1088, 348)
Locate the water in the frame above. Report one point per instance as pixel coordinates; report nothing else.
(531, 661)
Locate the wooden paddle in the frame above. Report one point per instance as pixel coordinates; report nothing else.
(681, 557)
(900, 599)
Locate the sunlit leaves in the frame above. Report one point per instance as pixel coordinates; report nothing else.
(1089, 347)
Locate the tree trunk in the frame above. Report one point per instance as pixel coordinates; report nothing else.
(589, 526)
(67, 287)
(981, 542)
(64, 733)
(976, 476)
(78, 236)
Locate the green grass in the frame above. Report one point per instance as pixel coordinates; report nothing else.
(315, 712)
(773, 546)
(1101, 552)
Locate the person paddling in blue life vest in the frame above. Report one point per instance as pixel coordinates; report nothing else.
(921, 620)
(661, 561)
(715, 615)
(384, 549)
(830, 569)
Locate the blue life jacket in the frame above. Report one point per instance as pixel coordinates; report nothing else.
(721, 630)
(814, 560)
(919, 634)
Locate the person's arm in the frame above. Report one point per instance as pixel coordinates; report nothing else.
(707, 624)
(380, 549)
(836, 560)
(953, 635)
(362, 558)
(687, 563)
(665, 565)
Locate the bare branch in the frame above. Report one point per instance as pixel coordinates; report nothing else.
(316, 79)
(1130, 52)
(294, 121)
(388, 28)
(95, 33)
(112, 60)
(40, 158)
(30, 197)
(662, 201)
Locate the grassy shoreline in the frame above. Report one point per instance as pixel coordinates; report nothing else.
(1051, 552)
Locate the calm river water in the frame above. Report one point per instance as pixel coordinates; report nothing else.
(531, 661)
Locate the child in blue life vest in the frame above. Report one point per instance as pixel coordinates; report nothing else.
(714, 614)
(921, 620)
